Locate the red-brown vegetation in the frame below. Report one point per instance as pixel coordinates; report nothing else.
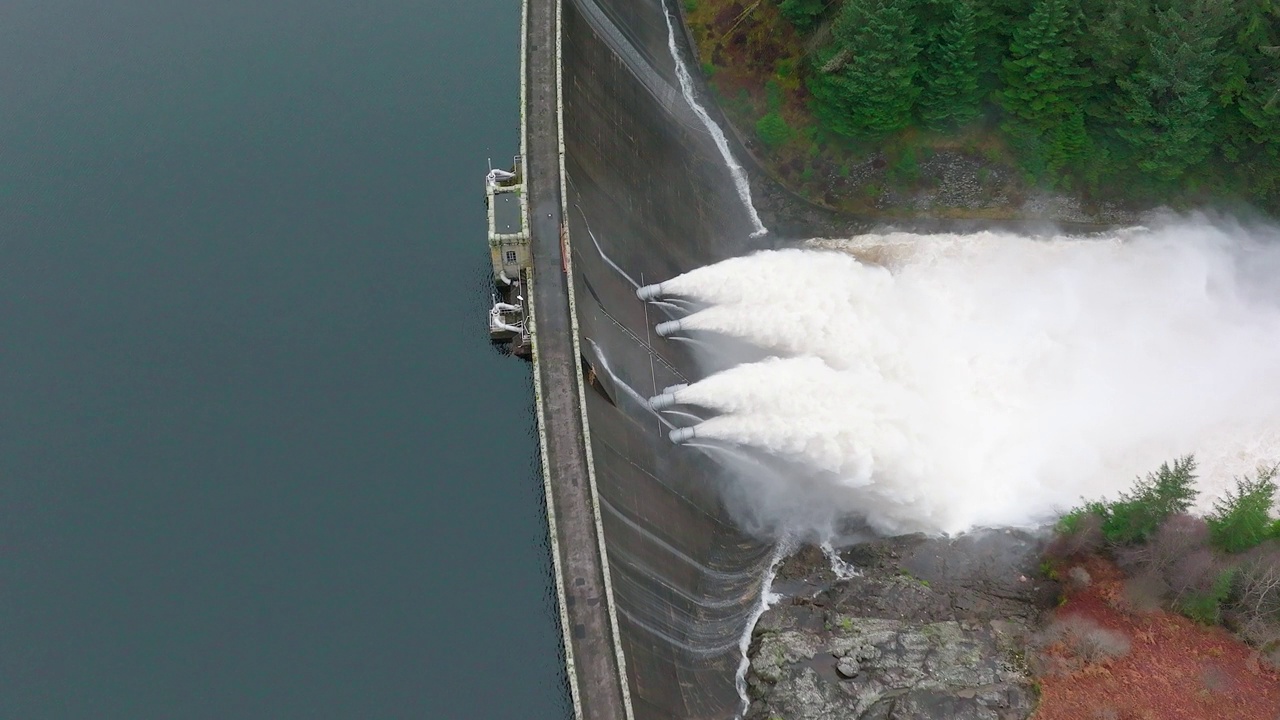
(1102, 656)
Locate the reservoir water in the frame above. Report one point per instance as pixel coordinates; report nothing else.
(257, 458)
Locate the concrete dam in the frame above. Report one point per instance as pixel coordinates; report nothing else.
(626, 224)
(623, 184)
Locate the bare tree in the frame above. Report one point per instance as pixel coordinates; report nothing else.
(1069, 643)
(1195, 573)
(1145, 592)
(1085, 539)
(1258, 586)
(1177, 537)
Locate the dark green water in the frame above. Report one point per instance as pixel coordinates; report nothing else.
(257, 459)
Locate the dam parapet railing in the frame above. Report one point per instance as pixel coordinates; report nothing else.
(567, 250)
(521, 167)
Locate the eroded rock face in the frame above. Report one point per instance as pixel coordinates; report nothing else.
(932, 629)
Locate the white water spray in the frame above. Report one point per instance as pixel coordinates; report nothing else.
(684, 414)
(941, 383)
(839, 567)
(669, 306)
(735, 170)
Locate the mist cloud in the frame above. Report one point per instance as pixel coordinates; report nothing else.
(938, 383)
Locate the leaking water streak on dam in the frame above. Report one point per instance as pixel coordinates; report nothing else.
(646, 195)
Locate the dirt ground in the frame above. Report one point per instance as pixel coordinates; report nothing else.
(1172, 669)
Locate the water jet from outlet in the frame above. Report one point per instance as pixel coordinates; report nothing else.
(939, 383)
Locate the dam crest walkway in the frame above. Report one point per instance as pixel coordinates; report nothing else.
(595, 666)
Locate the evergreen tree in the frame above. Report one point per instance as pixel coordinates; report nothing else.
(1043, 83)
(1260, 100)
(1135, 515)
(803, 14)
(1142, 97)
(1167, 103)
(996, 20)
(1107, 47)
(1070, 142)
(949, 94)
(864, 82)
(1042, 77)
(772, 127)
(1242, 519)
(1256, 65)
(1271, 104)
(1247, 84)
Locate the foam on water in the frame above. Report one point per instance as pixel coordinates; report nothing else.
(939, 382)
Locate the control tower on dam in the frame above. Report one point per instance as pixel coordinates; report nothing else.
(624, 186)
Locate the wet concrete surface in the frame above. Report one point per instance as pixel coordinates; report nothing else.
(648, 198)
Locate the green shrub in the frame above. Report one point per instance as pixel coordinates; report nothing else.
(773, 94)
(773, 129)
(690, 5)
(1206, 607)
(906, 170)
(1070, 522)
(1079, 533)
(1242, 519)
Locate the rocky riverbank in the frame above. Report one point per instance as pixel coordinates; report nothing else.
(929, 628)
(959, 194)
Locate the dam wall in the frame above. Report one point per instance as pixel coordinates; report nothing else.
(647, 196)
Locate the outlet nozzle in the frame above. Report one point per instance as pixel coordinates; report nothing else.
(671, 326)
(681, 435)
(649, 292)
